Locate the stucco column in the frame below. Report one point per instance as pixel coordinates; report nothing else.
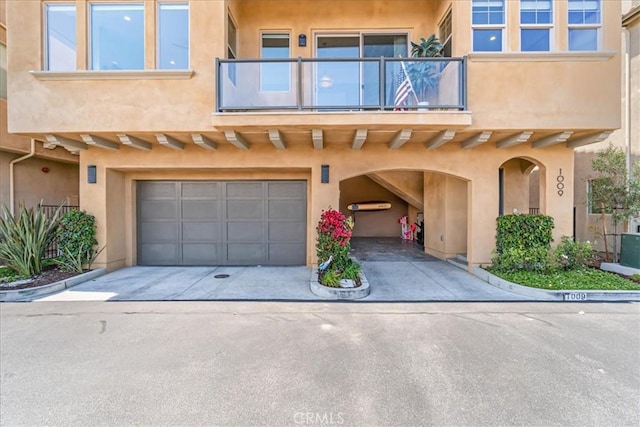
(321, 197)
(482, 202)
(558, 191)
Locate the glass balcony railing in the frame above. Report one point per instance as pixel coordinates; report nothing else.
(358, 84)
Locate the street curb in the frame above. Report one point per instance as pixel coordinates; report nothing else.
(338, 293)
(30, 293)
(568, 295)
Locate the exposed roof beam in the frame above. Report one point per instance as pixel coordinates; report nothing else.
(552, 139)
(400, 139)
(359, 139)
(169, 141)
(317, 138)
(440, 139)
(100, 142)
(277, 139)
(203, 141)
(69, 144)
(589, 139)
(514, 140)
(476, 140)
(236, 139)
(132, 141)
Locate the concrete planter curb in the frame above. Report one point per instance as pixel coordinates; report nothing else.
(338, 293)
(544, 295)
(30, 293)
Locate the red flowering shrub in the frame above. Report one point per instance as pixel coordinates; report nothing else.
(334, 233)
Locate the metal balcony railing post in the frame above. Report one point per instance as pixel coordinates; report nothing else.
(299, 83)
(464, 83)
(218, 85)
(382, 82)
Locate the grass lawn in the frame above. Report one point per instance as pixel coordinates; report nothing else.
(585, 279)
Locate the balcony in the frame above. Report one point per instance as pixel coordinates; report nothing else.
(338, 85)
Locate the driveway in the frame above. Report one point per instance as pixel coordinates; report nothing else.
(396, 270)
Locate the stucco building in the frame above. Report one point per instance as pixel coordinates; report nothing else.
(215, 132)
(30, 173)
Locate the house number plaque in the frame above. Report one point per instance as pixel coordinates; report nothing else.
(560, 184)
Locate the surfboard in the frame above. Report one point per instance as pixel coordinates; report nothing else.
(369, 206)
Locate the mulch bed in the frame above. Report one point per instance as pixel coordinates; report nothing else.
(47, 276)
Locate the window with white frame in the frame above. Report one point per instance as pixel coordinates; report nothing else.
(444, 30)
(585, 20)
(488, 20)
(275, 76)
(60, 36)
(536, 21)
(117, 36)
(173, 36)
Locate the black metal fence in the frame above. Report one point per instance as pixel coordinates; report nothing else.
(49, 211)
(534, 211)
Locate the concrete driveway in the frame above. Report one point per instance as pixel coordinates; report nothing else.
(397, 271)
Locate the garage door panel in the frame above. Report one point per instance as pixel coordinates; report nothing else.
(287, 254)
(201, 254)
(246, 253)
(159, 210)
(287, 231)
(284, 210)
(199, 209)
(244, 190)
(286, 189)
(245, 231)
(245, 209)
(200, 190)
(160, 231)
(158, 254)
(157, 190)
(201, 232)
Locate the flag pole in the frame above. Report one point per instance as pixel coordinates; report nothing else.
(404, 70)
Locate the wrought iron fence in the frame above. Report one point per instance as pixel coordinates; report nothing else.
(49, 211)
(534, 211)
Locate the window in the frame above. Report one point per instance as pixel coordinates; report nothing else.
(585, 19)
(232, 43)
(445, 34)
(488, 25)
(60, 33)
(595, 196)
(117, 36)
(536, 20)
(173, 36)
(275, 77)
(3, 71)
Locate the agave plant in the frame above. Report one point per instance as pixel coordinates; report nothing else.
(24, 238)
(425, 75)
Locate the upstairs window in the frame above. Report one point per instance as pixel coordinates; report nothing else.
(488, 19)
(275, 76)
(173, 36)
(117, 36)
(444, 31)
(585, 20)
(536, 21)
(60, 37)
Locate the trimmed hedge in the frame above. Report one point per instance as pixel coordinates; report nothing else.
(523, 242)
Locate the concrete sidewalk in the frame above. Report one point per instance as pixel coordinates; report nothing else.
(390, 281)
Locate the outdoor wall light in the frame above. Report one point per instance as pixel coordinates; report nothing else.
(92, 175)
(324, 174)
(302, 40)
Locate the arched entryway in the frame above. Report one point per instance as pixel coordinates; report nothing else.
(521, 186)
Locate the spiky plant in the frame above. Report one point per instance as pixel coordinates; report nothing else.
(24, 238)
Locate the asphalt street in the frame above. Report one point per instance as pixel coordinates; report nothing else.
(267, 363)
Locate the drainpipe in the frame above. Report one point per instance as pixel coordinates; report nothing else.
(627, 106)
(11, 178)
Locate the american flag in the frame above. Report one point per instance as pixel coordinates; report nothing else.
(404, 88)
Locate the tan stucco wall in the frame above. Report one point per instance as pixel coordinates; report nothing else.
(560, 98)
(372, 224)
(516, 186)
(32, 186)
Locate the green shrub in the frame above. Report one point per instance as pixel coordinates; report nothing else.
(330, 278)
(570, 255)
(334, 234)
(351, 271)
(24, 238)
(523, 243)
(77, 241)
